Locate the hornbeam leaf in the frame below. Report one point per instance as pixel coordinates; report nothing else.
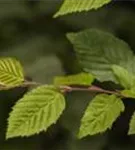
(126, 79)
(11, 72)
(100, 114)
(129, 93)
(97, 51)
(77, 79)
(132, 125)
(71, 6)
(35, 112)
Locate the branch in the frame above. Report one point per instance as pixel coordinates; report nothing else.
(65, 88)
(90, 89)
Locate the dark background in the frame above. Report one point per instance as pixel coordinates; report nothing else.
(28, 32)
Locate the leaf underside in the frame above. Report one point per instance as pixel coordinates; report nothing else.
(97, 51)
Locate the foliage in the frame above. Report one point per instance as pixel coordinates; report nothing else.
(126, 79)
(132, 125)
(100, 114)
(42, 107)
(101, 56)
(97, 51)
(69, 6)
(129, 93)
(11, 72)
(79, 79)
(35, 112)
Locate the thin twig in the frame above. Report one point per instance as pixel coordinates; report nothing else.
(90, 89)
(66, 88)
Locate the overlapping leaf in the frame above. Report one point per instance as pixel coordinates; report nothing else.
(129, 93)
(70, 6)
(77, 79)
(126, 79)
(11, 72)
(100, 114)
(97, 51)
(35, 112)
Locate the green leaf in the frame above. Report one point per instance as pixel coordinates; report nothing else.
(126, 79)
(35, 112)
(132, 125)
(100, 114)
(78, 79)
(129, 93)
(71, 6)
(97, 51)
(11, 72)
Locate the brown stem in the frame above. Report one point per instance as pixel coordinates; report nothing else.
(65, 88)
(90, 89)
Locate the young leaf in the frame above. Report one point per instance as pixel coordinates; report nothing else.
(71, 6)
(100, 114)
(11, 72)
(35, 112)
(126, 79)
(78, 79)
(129, 93)
(97, 51)
(132, 125)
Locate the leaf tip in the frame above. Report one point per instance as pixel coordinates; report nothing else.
(55, 15)
(70, 36)
(8, 136)
(131, 132)
(79, 135)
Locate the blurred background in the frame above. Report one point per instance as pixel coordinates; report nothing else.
(30, 33)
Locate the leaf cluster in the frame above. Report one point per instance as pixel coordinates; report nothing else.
(101, 56)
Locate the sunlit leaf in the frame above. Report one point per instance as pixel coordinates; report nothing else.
(11, 72)
(77, 79)
(35, 112)
(126, 79)
(71, 6)
(129, 93)
(132, 125)
(100, 114)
